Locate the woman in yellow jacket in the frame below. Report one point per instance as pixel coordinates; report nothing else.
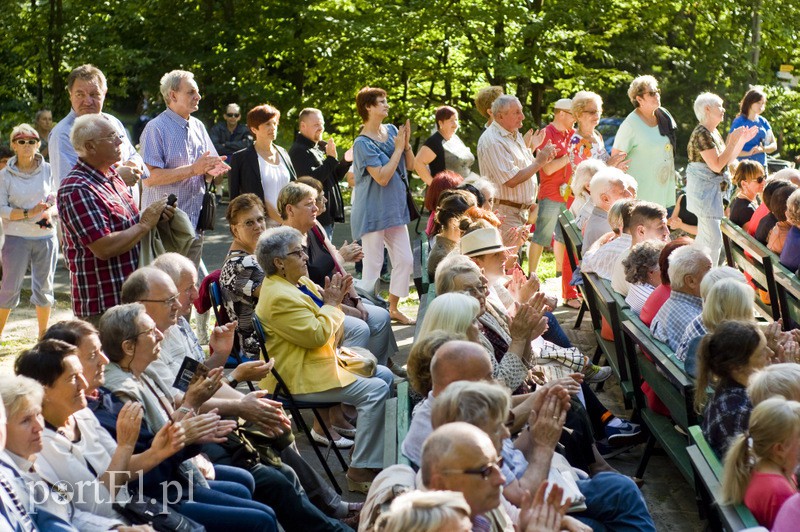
(302, 324)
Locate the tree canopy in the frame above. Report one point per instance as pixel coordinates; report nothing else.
(425, 53)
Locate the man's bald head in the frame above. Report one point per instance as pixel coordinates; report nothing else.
(157, 291)
(456, 447)
(459, 360)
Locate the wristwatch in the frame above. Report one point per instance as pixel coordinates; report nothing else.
(231, 381)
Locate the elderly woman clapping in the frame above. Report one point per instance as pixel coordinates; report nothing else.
(27, 196)
(302, 324)
(707, 175)
(76, 447)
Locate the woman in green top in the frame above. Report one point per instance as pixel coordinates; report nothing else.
(648, 137)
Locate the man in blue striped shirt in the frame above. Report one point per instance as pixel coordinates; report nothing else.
(179, 153)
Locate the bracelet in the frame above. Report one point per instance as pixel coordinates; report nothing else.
(231, 381)
(185, 410)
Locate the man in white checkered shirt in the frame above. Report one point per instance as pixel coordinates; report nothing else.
(506, 157)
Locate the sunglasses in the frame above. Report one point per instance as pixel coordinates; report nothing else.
(22, 142)
(759, 179)
(484, 472)
(232, 115)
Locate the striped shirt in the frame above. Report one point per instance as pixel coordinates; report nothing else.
(501, 155)
(171, 141)
(602, 261)
(91, 206)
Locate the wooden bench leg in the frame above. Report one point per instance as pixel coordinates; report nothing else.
(581, 311)
(651, 443)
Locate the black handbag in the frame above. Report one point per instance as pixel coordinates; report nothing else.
(162, 518)
(413, 212)
(205, 222)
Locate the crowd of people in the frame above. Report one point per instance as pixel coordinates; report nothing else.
(124, 403)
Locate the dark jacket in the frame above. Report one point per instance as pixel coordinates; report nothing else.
(245, 176)
(309, 158)
(227, 143)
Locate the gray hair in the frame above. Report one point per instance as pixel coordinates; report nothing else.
(639, 86)
(775, 380)
(686, 260)
(174, 265)
(580, 100)
(117, 325)
(19, 391)
(716, 275)
(707, 99)
(604, 180)
(472, 402)
(418, 511)
(583, 175)
(137, 286)
(274, 244)
(171, 81)
(642, 259)
(502, 103)
(483, 184)
(86, 128)
(453, 312)
(24, 129)
(729, 299)
(451, 267)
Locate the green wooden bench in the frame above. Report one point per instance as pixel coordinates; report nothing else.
(652, 361)
(397, 420)
(573, 241)
(708, 477)
(603, 305)
(744, 252)
(424, 301)
(788, 299)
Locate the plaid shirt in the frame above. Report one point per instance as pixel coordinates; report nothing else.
(727, 415)
(171, 141)
(674, 317)
(93, 205)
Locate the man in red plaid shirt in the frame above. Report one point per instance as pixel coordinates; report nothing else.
(101, 223)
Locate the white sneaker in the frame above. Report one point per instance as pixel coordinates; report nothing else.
(341, 443)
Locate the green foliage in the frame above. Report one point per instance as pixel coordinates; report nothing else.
(426, 53)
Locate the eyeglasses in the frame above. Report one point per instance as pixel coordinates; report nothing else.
(22, 142)
(112, 137)
(232, 115)
(652, 93)
(261, 220)
(591, 112)
(149, 331)
(168, 302)
(760, 179)
(298, 252)
(485, 472)
(476, 291)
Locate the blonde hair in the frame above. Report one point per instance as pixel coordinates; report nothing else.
(772, 422)
(423, 511)
(453, 312)
(639, 86)
(775, 380)
(582, 98)
(24, 130)
(486, 97)
(292, 194)
(716, 275)
(728, 299)
(475, 403)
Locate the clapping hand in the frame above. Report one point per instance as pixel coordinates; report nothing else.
(336, 288)
(129, 423)
(540, 514)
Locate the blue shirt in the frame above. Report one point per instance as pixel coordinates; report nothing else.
(764, 133)
(790, 256)
(674, 318)
(375, 207)
(63, 156)
(171, 141)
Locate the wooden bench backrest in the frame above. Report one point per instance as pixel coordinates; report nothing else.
(744, 252)
(573, 240)
(788, 288)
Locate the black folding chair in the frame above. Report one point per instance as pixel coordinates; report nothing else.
(281, 393)
(216, 305)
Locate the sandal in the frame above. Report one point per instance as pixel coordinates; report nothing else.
(360, 487)
(573, 303)
(401, 318)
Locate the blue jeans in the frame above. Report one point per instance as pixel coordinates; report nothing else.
(614, 503)
(554, 332)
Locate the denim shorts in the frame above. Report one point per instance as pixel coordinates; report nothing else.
(546, 221)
